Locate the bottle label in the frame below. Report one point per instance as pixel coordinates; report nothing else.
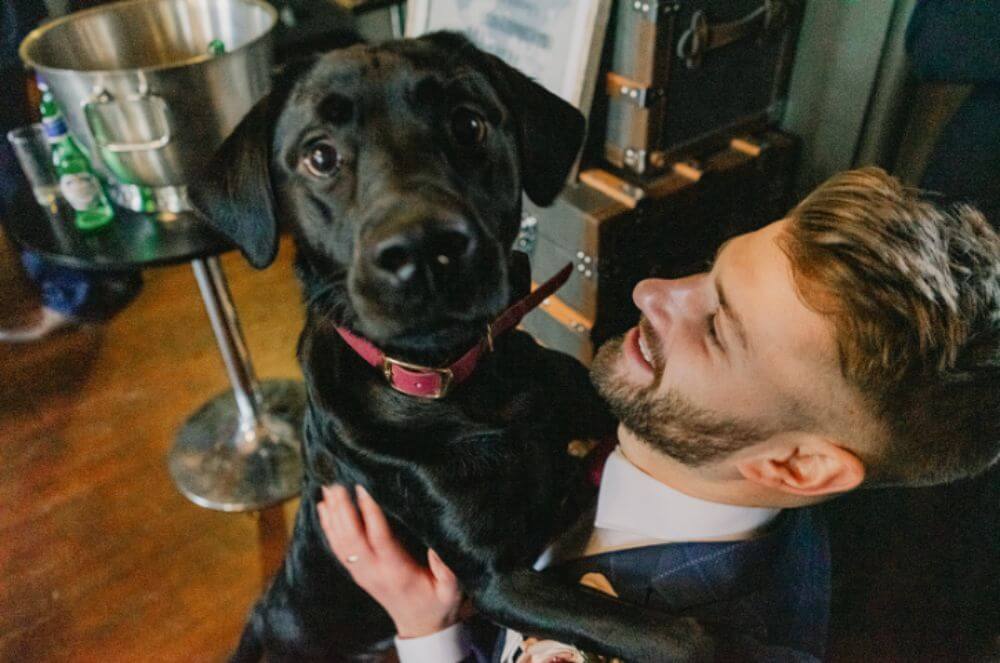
(55, 127)
(82, 190)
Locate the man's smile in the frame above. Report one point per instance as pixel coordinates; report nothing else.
(647, 354)
(642, 348)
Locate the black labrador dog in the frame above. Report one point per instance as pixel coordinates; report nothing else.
(399, 169)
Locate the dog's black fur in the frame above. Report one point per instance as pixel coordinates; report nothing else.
(481, 476)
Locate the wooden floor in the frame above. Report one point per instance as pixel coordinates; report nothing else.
(101, 559)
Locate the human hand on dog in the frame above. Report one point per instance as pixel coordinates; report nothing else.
(420, 599)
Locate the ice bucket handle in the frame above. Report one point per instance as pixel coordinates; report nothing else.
(155, 113)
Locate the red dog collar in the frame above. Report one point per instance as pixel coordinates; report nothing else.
(427, 382)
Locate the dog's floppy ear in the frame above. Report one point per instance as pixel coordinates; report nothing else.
(552, 133)
(551, 129)
(235, 194)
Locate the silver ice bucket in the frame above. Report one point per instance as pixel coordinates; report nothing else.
(141, 90)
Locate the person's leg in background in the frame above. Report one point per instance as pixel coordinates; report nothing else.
(918, 576)
(966, 159)
(66, 295)
(954, 534)
(958, 42)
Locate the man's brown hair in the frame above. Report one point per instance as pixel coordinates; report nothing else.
(913, 289)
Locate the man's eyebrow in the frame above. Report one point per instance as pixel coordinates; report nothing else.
(737, 322)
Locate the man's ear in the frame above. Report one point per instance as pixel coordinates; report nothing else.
(802, 464)
(235, 194)
(551, 131)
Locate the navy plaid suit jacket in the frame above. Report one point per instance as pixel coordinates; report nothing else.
(766, 599)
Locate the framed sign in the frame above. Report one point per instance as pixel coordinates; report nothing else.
(556, 42)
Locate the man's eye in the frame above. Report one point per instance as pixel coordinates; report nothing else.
(712, 333)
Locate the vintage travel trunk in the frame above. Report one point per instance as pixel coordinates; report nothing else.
(617, 234)
(687, 75)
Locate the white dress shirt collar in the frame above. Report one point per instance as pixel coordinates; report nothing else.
(634, 504)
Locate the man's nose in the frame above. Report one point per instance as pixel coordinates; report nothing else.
(671, 300)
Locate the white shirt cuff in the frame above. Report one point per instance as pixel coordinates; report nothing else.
(448, 646)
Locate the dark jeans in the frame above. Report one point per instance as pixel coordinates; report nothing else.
(83, 295)
(966, 160)
(958, 41)
(916, 569)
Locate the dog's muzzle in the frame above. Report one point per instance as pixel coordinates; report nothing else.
(423, 252)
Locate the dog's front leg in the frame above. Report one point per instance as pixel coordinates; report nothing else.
(541, 605)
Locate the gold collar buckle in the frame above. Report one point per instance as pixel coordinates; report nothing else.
(445, 375)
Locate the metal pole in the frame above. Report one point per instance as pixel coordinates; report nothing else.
(229, 336)
(241, 451)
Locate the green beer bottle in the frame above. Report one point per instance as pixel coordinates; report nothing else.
(77, 181)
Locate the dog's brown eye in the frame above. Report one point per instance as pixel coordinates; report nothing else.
(468, 127)
(322, 159)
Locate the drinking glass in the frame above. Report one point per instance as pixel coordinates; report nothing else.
(35, 156)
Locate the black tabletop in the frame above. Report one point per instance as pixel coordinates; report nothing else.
(131, 241)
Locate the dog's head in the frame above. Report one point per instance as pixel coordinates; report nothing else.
(400, 169)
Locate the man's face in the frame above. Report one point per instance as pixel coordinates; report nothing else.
(722, 359)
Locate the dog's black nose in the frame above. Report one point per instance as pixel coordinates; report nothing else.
(439, 248)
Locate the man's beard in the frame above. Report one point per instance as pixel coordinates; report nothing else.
(671, 424)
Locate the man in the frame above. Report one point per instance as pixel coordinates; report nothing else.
(854, 343)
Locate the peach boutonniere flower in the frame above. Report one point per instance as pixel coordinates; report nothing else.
(550, 651)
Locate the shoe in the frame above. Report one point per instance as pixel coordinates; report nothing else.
(49, 321)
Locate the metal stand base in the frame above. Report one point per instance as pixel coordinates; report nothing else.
(219, 463)
(242, 450)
